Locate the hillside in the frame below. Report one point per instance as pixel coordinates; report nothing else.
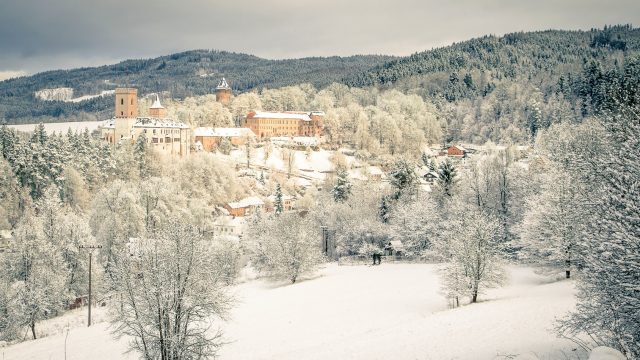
(346, 313)
(521, 54)
(184, 74)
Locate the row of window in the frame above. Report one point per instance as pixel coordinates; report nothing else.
(167, 139)
(164, 131)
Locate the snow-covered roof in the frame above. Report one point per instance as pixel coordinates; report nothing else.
(246, 202)
(223, 132)
(148, 122)
(156, 104)
(223, 85)
(279, 115)
(374, 170)
(459, 147)
(228, 220)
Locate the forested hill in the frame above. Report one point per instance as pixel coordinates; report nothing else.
(522, 54)
(183, 74)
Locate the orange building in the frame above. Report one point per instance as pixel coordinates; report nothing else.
(291, 123)
(456, 150)
(244, 207)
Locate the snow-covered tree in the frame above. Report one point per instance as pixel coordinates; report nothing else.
(342, 189)
(171, 291)
(608, 306)
(384, 209)
(286, 247)
(403, 178)
(417, 224)
(278, 203)
(36, 276)
(447, 178)
(472, 252)
(554, 223)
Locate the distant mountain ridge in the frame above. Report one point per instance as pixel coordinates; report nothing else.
(551, 61)
(188, 73)
(520, 53)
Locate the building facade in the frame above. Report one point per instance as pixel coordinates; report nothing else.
(291, 123)
(209, 138)
(163, 134)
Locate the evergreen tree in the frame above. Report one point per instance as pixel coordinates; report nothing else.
(278, 204)
(141, 153)
(384, 210)
(342, 190)
(425, 159)
(403, 178)
(261, 179)
(447, 178)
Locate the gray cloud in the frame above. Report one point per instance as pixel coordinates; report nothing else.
(37, 35)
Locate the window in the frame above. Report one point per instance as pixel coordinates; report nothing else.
(131, 101)
(121, 101)
(121, 113)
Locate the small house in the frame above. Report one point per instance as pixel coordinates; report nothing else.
(287, 202)
(456, 150)
(244, 207)
(375, 173)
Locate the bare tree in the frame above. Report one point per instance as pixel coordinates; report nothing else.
(171, 290)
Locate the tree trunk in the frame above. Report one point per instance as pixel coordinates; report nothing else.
(33, 329)
(568, 271)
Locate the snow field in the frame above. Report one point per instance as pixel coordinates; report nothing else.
(391, 311)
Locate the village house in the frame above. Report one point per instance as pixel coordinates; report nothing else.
(163, 134)
(227, 225)
(209, 138)
(291, 123)
(287, 203)
(244, 207)
(456, 150)
(375, 173)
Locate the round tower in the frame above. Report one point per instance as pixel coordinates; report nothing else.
(223, 92)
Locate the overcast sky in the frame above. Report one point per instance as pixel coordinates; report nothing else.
(38, 35)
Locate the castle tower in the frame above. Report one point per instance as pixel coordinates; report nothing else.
(223, 92)
(157, 110)
(126, 113)
(126, 103)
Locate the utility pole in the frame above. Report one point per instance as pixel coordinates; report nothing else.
(91, 248)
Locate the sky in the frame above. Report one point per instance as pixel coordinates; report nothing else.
(39, 35)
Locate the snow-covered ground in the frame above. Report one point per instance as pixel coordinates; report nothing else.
(314, 165)
(62, 127)
(392, 311)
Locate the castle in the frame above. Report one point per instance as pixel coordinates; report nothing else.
(163, 134)
(267, 124)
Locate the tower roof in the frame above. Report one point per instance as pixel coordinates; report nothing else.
(156, 104)
(223, 85)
